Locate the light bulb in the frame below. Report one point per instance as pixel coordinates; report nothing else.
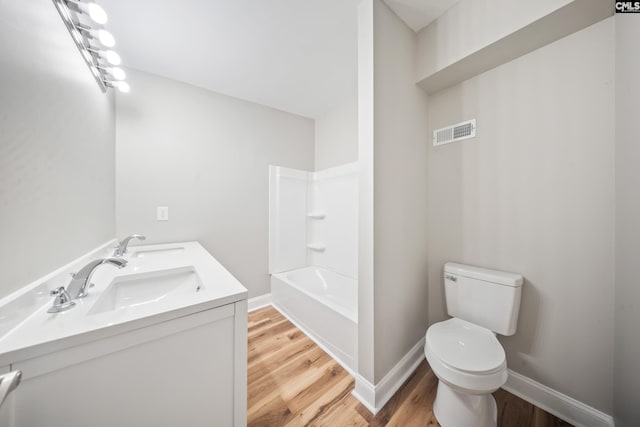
(118, 73)
(96, 13)
(112, 57)
(124, 87)
(106, 38)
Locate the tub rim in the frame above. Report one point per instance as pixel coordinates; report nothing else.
(352, 316)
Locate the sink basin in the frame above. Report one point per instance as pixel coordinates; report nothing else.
(136, 290)
(147, 253)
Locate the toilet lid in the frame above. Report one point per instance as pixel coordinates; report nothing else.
(465, 346)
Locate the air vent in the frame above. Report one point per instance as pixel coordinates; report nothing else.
(464, 130)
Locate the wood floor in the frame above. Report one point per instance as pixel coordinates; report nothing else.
(292, 382)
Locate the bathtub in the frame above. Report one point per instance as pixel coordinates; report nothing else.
(324, 305)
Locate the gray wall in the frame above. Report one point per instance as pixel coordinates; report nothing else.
(471, 25)
(336, 135)
(627, 315)
(533, 193)
(399, 193)
(56, 147)
(206, 157)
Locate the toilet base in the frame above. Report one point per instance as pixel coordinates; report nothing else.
(455, 409)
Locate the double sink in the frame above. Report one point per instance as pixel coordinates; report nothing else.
(158, 283)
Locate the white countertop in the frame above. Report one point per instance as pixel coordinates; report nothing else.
(28, 331)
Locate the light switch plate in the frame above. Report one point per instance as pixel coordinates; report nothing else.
(162, 213)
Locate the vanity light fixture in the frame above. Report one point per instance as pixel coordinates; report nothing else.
(93, 41)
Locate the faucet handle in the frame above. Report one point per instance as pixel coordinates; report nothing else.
(62, 302)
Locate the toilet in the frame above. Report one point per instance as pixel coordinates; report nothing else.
(463, 352)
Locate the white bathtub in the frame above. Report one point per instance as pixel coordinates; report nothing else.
(324, 305)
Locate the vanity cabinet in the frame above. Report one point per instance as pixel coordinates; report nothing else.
(189, 370)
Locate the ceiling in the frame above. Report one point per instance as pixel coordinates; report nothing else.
(417, 14)
(299, 56)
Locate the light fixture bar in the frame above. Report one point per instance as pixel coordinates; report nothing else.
(80, 44)
(94, 54)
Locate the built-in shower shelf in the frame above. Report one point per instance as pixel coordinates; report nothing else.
(316, 215)
(318, 247)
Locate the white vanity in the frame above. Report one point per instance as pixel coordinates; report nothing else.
(160, 342)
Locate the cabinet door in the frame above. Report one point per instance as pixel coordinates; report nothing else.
(179, 372)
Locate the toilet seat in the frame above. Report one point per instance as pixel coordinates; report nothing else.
(465, 346)
(467, 357)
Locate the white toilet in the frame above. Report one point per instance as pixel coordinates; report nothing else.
(464, 352)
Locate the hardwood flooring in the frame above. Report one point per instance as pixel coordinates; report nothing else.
(292, 382)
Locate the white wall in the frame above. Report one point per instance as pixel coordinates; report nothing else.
(56, 147)
(627, 316)
(336, 135)
(206, 157)
(533, 193)
(392, 254)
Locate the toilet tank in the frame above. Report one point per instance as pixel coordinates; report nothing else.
(483, 297)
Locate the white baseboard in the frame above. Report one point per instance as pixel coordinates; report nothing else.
(365, 392)
(556, 403)
(259, 302)
(374, 397)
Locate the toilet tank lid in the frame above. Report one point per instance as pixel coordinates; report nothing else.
(493, 276)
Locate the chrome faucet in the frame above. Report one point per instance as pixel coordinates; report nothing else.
(62, 302)
(122, 246)
(81, 280)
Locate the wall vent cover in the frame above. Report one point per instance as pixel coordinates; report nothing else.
(458, 132)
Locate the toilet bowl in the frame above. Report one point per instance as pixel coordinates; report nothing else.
(470, 364)
(463, 352)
